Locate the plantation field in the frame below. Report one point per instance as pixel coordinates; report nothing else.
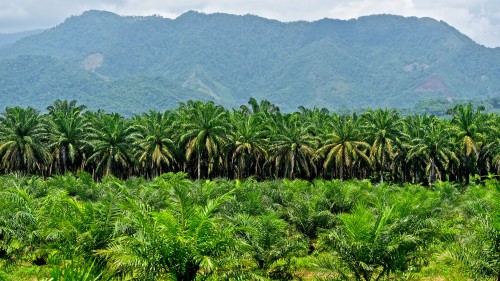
(68, 227)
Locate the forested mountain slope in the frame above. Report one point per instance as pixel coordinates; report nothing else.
(8, 38)
(133, 64)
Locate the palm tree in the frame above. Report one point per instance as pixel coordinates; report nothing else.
(265, 107)
(384, 130)
(433, 147)
(155, 147)
(318, 118)
(179, 242)
(292, 145)
(22, 141)
(265, 240)
(343, 145)
(470, 128)
(67, 135)
(248, 140)
(18, 223)
(111, 141)
(489, 151)
(375, 241)
(413, 169)
(204, 130)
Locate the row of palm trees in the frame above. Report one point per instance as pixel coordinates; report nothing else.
(207, 141)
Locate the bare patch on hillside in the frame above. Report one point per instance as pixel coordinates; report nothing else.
(195, 83)
(416, 66)
(93, 61)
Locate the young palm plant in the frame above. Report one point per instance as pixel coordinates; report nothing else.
(177, 243)
(269, 242)
(372, 242)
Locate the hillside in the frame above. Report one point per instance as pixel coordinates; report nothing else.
(133, 64)
(8, 38)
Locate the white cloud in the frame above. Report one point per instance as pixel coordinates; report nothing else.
(479, 19)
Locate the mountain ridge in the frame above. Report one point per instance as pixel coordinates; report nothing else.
(372, 61)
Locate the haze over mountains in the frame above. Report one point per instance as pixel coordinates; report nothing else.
(133, 64)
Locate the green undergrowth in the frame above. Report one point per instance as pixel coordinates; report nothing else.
(69, 227)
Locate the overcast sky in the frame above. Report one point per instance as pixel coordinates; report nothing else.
(479, 19)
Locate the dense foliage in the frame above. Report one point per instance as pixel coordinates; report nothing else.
(134, 64)
(69, 227)
(206, 140)
(93, 195)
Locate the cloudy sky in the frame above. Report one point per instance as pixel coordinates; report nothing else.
(479, 19)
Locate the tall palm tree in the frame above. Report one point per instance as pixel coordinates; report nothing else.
(292, 145)
(22, 141)
(434, 147)
(155, 146)
(343, 145)
(470, 128)
(318, 118)
(384, 130)
(67, 135)
(489, 151)
(248, 140)
(414, 168)
(204, 130)
(111, 142)
(264, 107)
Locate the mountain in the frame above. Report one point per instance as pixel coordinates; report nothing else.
(133, 64)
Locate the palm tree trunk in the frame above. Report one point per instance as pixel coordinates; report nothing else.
(199, 166)
(342, 171)
(240, 168)
(467, 170)
(432, 177)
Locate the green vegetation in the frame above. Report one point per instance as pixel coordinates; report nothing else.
(206, 140)
(204, 193)
(69, 227)
(133, 64)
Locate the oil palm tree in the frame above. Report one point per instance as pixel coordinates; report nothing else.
(154, 142)
(470, 128)
(374, 241)
(111, 141)
(248, 143)
(18, 223)
(293, 147)
(67, 135)
(265, 240)
(176, 243)
(434, 147)
(204, 130)
(22, 141)
(343, 144)
(383, 130)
